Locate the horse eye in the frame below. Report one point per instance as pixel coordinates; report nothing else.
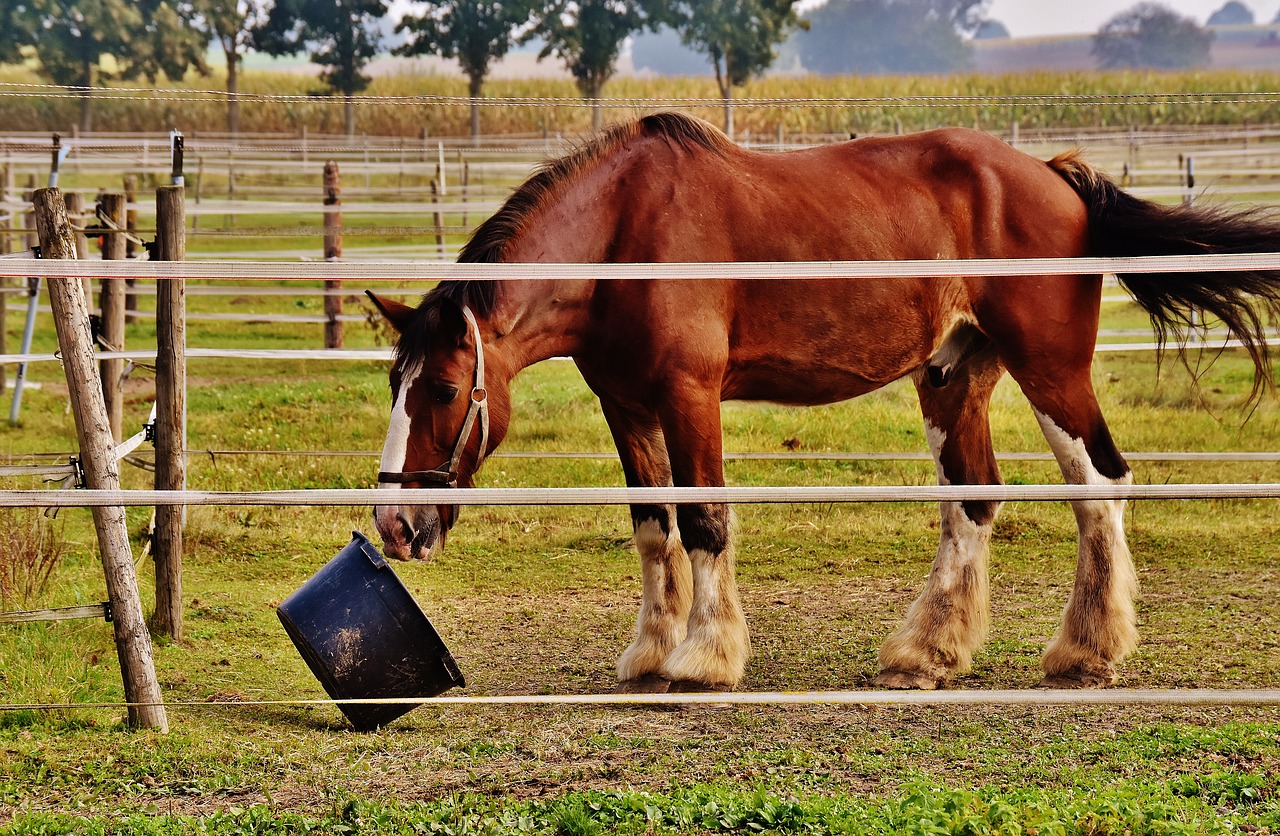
(444, 394)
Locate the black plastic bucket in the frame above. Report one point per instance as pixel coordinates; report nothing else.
(364, 637)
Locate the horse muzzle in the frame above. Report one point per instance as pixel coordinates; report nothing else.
(411, 532)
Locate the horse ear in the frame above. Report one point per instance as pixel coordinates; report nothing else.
(397, 313)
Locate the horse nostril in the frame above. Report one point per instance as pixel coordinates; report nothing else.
(406, 526)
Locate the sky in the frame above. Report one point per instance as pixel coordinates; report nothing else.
(1027, 18)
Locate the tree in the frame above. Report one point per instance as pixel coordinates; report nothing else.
(588, 36)
(15, 33)
(476, 32)
(145, 38)
(890, 36)
(1232, 13)
(1151, 35)
(739, 36)
(340, 35)
(230, 24)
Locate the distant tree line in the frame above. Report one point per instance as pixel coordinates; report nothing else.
(87, 43)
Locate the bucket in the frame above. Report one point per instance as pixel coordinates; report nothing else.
(363, 636)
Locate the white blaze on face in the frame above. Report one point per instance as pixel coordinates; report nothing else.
(396, 449)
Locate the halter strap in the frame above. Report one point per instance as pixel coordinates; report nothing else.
(478, 407)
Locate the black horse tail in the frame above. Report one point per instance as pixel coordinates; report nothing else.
(1123, 225)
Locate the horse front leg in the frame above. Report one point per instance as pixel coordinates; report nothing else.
(713, 655)
(665, 600)
(666, 589)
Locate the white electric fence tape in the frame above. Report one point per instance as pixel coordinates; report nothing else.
(637, 496)
(1258, 697)
(795, 270)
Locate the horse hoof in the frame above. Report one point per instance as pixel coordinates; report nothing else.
(688, 686)
(1078, 680)
(650, 683)
(905, 681)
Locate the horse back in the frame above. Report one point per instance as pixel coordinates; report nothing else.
(948, 193)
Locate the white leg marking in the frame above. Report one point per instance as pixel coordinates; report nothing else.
(951, 617)
(716, 649)
(1099, 625)
(936, 438)
(664, 607)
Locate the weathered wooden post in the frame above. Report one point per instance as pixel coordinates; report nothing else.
(101, 471)
(466, 186)
(130, 246)
(170, 438)
(113, 311)
(332, 252)
(437, 218)
(444, 188)
(195, 220)
(75, 214)
(231, 185)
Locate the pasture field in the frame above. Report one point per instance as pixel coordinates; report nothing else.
(541, 600)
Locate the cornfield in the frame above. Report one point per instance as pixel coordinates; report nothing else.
(893, 103)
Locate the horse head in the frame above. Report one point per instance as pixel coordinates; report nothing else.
(449, 410)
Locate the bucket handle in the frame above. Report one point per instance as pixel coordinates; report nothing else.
(371, 552)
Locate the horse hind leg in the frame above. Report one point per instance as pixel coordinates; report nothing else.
(964, 343)
(1099, 625)
(949, 620)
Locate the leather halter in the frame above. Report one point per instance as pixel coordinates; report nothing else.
(447, 474)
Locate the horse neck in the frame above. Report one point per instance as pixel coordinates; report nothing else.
(537, 319)
(543, 318)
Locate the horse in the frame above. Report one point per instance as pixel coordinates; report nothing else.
(662, 355)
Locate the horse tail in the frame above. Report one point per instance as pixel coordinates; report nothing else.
(1123, 225)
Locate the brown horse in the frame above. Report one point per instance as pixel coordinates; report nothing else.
(662, 355)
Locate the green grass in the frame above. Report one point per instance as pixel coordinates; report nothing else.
(1150, 808)
(535, 600)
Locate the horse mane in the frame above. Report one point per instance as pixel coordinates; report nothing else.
(488, 244)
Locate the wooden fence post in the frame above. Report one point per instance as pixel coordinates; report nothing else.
(113, 306)
(130, 248)
(101, 470)
(437, 218)
(170, 435)
(75, 215)
(332, 252)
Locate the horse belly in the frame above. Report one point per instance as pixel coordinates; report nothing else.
(823, 370)
(816, 342)
(782, 381)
